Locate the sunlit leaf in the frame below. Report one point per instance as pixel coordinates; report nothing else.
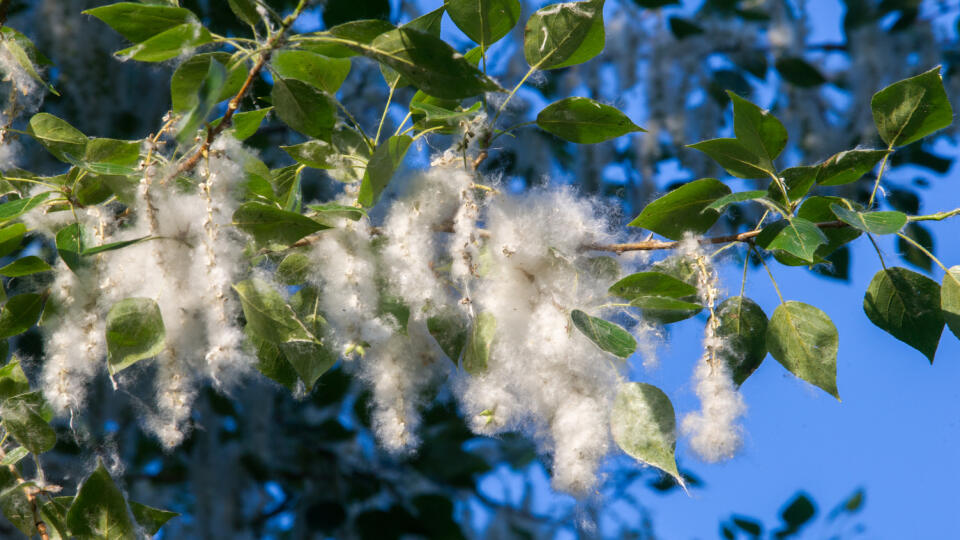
(608, 336)
(683, 209)
(805, 341)
(911, 109)
(907, 306)
(643, 424)
(135, 331)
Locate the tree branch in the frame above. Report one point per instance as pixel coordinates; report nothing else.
(653, 245)
(213, 131)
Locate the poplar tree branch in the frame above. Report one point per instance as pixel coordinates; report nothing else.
(653, 245)
(213, 131)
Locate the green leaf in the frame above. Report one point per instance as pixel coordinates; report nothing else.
(286, 185)
(799, 72)
(848, 166)
(17, 207)
(87, 252)
(22, 58)
(477, 352)
(206, 97)
(427, 115)
(608, 336)
(168, 44)
(23, 421)
(135, 331)
(683, 209)
(796, 236)
(316, 154)
(246, 11)
(805, 341)
(911, 109)
(304, 108)
(910, 252)
(316, 70)
(450, 333)
(351, 144)
(293, 269)
(644, 426)
(484, 21)
(565, 34)
(25, 266)
(140, 22)
(329, 211)
(15, 505)
(950, 300)
(11, 236)
(797, 180)
(267, 313)
(188, 79)
(53, 512)
(665, 303)
(735, 158)
(643, 284)
(244, 125)
(101, 154)
(906, 305)
(722, 203)
(14, 456)
(57, 136)
(817, 210)
(758, 130)
(13, 380)
(151, 519)
(20, 313)
(585, 121)
(99, 509)
(428, 62)
(383, 164)
(71, 242)
(309, 357)
(272, 363)
(743, 328)
(871, 222)
(361, 32)
(270, 225)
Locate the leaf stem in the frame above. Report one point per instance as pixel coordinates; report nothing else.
(386, 109)
(876, 183)
(654, 245)
(513, 92)
(877, 249)
(925, 251)
(939, 216)
(743, 280)
(769, 273)
(405, 118)
(783, 190)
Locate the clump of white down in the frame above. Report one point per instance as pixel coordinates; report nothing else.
(187, 269)
(714, 431)
(543, 376)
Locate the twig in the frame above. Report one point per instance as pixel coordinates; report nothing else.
(653, 245)
(234, 104)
